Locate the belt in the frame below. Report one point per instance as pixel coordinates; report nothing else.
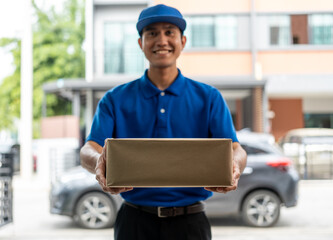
(163, 212)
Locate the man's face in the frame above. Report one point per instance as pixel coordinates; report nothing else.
(162, 44)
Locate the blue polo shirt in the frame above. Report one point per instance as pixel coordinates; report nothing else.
(138, 109)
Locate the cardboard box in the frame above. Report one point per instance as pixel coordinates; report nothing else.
(166, 162)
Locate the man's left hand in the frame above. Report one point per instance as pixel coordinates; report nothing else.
(239, 163)
(235, 178)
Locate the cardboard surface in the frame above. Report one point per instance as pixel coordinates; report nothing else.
(169, 162)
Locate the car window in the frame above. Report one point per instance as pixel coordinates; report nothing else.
(253, 150)
(295, 139)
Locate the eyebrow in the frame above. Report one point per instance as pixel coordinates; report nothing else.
(150, 28)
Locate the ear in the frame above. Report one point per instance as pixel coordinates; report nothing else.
(140, 43)
(183, 41)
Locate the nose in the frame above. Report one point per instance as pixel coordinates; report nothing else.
(162, 40)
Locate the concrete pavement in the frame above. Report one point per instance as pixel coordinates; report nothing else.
(311, 219)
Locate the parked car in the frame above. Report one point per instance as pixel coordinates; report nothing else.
(311, 150)
(268, 182)
(11, 151)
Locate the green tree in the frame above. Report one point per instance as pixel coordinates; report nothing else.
(10, 88)
(57, 53)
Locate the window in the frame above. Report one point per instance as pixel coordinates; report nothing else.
(122, 53)
(226, 32)
(218, 31)
(201, 31)
(318, 120)
(288, 30)
(253, 150)
(321, 28)
(279, 30)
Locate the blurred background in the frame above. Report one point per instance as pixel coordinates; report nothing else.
(271, 60)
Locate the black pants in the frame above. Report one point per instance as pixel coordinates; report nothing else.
(135, 224)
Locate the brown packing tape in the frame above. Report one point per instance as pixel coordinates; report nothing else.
(169, 162)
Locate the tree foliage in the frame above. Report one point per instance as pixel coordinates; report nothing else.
(10, 87)
(57, 53)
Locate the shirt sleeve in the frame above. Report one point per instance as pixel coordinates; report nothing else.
(103, 122)
(221, 125)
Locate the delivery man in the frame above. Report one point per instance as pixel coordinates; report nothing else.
(161, 104)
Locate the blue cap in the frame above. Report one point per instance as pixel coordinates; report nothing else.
(160, 13)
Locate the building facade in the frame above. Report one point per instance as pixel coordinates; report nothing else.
(272, 60)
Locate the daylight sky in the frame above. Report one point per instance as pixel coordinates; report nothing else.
(11, 22)
(11, 13)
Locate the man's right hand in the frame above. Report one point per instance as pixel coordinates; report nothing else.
(100, 171)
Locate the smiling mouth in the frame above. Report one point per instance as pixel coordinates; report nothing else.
(162, 51)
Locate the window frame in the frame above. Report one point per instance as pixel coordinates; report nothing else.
(240, 25)
(123, 25)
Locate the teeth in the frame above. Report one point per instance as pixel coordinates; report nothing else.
(162, 51)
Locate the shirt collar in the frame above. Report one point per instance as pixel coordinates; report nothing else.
(149, 89)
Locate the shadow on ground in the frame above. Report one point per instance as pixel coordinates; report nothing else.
(219, 222)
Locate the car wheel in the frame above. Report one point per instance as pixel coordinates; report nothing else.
(261, 209)
(95, 210)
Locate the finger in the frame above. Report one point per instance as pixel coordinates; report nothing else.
(104, 153)
(215, 189)
(102, 157)
(228, 189)
(223, 189)
(101, 180)
(237, 175)
(104, 149)
(119, 190)
(231, 188)
(100, 176)
(100, 169)
(220, 190)
(111, 190)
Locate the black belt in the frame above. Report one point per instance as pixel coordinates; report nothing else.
(170, 211)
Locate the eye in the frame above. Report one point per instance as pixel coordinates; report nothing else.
(169, 32)
(151, 33)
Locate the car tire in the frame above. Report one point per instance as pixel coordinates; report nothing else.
(261, 209)
(95, 210)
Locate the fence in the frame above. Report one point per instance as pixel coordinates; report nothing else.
(312, 161)
(319, 162)
(61, 160)
(6, 191)
(55, 156)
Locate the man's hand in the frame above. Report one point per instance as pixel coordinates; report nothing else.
(93, 158)
(235, 178)
(100, 175)
(239, 163)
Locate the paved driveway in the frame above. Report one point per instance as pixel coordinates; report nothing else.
(312, 219)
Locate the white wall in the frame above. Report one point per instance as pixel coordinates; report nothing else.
(304, 86)
(318, 105)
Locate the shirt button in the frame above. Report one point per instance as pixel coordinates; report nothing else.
(162, 110)
(162, 94)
